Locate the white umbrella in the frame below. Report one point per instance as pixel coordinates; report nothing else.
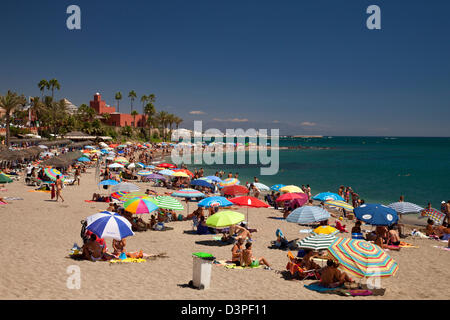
(131, 166)
(42, 146)
(125, 187)
(116, 165)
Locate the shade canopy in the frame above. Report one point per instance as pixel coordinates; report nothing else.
(308, 215)
(317, 242)
(224, 219)
(249, 202)
(125, 186)
(324, 196)
(214, 202)
(376, 214)
(405, 207)
(109, 225)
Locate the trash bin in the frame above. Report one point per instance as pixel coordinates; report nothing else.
(201, 276)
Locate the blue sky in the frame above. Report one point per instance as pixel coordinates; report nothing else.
(306, 67)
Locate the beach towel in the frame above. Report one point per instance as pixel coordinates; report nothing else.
(443, 248)
(406, 245)
(306, 231)
(127, 260)
(2, 203)
(13, 198)
(343, 291)
(230, 265)
(319, 288)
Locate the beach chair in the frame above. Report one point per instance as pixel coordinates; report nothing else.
(293, 266)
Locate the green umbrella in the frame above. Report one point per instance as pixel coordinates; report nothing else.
(4, 178)
(224, 219)
(167, 202)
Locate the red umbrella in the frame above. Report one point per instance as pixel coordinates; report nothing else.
(249, 202)
(185, 171)
(300, 201)
(166, 165)
(292, 196)
(235, 190)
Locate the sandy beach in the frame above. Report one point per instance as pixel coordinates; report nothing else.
(38, 233)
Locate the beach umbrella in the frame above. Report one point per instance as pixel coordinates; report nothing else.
(166, 172)
(189, 173)
(5, 179)
(224, 219)
(167, 165)
(308, 215)
(140, 164)
(53, 173)
(115, 166)
(362, 259)
(110, 158)
(277, 187)
(291, 196)
(149, 167)
(215, 202)
(325, 230)
(325, 196)
(261, 186)
(144, 173)
(235, 190)
(42, 146)
(213, 178)
(155, 176)
(140, 205)
(131, 165)
(108, 183)
(188, 193)
(376, 214)
(248, 201)
(228, 182)
(118, 195)
(167, 202)
(109, 225)
(434, 215)
(125, 186)
(47, 154)
(404, 207)
(201, 183)
(180, 174)
(131, 195)
(89, 147)
(83, 159)
(291, 189)
(340, 204)
(316, 242)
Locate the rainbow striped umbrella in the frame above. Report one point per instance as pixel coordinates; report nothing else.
(131, 195)
(188, 193)
(118, 195)
(362, 259)
(340, 204)
(140, 205)
(434, 215)
(144, 173)
(53, 173)
(167, 202)
(229, 182)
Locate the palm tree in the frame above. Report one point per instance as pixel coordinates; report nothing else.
(170, 122)
(36, 107)
(134, 113)
(161, 118)
(118, 97)
(9, 103)
(178, 121)
(132, 95)
(54, 84)
(42, 85)
(144, 99)
(149, 111)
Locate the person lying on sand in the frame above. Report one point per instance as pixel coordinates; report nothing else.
(92, 250)
(249, 260)
(240, 232)
(331, 277)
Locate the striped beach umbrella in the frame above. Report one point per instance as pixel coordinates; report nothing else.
(224, 219)
(121, 160)
(405, 207)
(144, 173)
(228, 182)
(376, 214)
(213, 178)
(317, 242)
(118, 195)
(325, 196)
(188, 193)
(339, 204)
(167, 202)
(215, 202)
(325, 230)
(308, 215)
(291, 188)
(5, 179)
(109, 225)
(189, 173)
(434, 215)
(277, 187)
(53, 173)
(180, 174)
(166, 172)
(362, 259)
(140, 205)
(116, 166)
(125, 186)
(131, 195)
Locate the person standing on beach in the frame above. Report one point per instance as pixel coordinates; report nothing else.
(59, 186)
(77, 175)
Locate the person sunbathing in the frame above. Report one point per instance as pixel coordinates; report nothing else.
(394, 237)
(307, 263)
(92, 250)
(240, 232)
(249, 260)
(119, 246)
(429, 231)
(357, 227)
(236, 252)
(331, 277)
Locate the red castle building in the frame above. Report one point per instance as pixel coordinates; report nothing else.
(116, 119)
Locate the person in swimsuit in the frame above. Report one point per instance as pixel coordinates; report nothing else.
(119, 246)
(331, 277)
(394, 237)
(92, 250)
(249, 260)
(59, 186)
(236, 252)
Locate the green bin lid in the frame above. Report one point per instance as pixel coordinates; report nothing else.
(204, 255)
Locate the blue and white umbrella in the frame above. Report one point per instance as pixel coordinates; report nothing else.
(108, 183)
(277, 187)
(405, 207)
(376, 214)
(140, 164)
(215, 202)
(214, 178)
(166, 172)
(109, 225)
(308, 215)
(324, 196)
(202, 183)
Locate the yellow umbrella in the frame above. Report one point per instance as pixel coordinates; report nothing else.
(291, 188)
(340, 204)
(180, 174)
(326, 230)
